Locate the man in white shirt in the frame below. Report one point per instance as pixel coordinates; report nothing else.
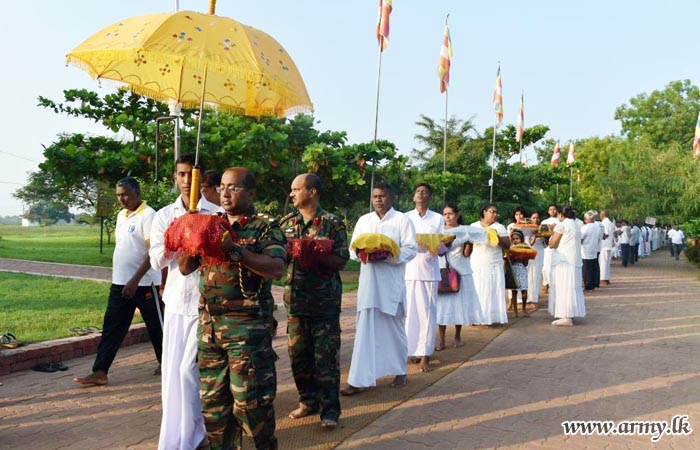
(624, 237)
(182, 426)
(380, 347)
(677, 238)
(132, 277)
(635, 237)
(590, 235)
(422, 277)
(606, 248)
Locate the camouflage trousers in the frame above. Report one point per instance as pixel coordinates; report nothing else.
(238, 381)
(314, 350)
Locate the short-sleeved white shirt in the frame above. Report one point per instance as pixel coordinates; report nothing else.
(676, 236)
(132, 234)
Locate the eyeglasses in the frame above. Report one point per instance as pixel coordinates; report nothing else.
(492, 211)
(230, 189)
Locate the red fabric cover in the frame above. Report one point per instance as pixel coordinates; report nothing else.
(304, 251)
(198, 234)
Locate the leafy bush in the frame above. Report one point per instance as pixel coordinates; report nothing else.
(691, 228)
(693, 252)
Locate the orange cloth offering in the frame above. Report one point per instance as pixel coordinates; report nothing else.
(432, 241)
(544, 231)
(522, 251)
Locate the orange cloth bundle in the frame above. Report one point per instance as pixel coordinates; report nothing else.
(305, 251)
(198, 234)
(376, 246)
(525, 225)
(432, 241)
(522, 251)
(544, 231)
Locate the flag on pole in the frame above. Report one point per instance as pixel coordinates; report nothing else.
(445, 61)
(498, 97)
(696, 139)
(570, 158)
(556, 155)
(525, 163)
(383, 24)
(521, 120)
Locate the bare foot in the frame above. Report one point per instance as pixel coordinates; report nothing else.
(526, 314)
(440, 347)
(425, 364)
(399, 381)
(413, 360)
(458, 343)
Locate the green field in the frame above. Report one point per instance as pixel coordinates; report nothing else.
(70, 244)
(36, 308)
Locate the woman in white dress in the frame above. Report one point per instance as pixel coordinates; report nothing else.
(487, 266)
(566, 299)
(534, 269)
(461, 307)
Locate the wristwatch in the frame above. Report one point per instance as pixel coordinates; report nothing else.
(236, 254)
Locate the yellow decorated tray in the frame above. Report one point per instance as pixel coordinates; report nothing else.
(432, 241)
(375, 242)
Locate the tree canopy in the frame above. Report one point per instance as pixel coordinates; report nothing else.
(645, 171)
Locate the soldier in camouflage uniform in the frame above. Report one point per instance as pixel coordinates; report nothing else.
(312, 297)
(236, 361)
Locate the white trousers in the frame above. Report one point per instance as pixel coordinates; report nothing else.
(380, 347)
(182, 426)
(604, 262)
(421, 316)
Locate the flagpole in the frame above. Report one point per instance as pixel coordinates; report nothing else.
(493, 160)
(571, 185)
(376, 123)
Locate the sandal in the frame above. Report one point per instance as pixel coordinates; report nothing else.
(50, 367)
(9, 341)
(351, 390)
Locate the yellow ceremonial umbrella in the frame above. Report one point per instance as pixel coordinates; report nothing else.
(196, 59)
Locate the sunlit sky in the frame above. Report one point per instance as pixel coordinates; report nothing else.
(576, 62)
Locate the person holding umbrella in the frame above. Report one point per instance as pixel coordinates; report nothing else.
(182, 425)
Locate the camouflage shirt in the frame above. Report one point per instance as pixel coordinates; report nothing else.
(318, 291)
(220, 284)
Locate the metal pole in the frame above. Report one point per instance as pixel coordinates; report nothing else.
(571, 185)
(493, 160)
(376, 124)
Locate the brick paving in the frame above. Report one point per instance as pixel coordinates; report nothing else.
(633, 357)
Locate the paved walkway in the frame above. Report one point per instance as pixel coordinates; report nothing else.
(632, 358)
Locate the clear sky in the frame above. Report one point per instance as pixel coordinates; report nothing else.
(576, 62)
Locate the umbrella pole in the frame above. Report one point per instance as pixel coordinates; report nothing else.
(376, 122)
(194, 189)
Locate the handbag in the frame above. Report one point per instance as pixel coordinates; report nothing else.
(449, 280)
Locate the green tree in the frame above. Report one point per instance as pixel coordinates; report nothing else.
(664, 117)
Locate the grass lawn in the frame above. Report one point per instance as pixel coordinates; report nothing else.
(36, 308)
(70, 244)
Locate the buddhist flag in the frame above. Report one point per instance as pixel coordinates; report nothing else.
(556, 155)
(383, 24)
(696, 139)
(570, 158)
(445, 61)
(498, 97)
(521, 120)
